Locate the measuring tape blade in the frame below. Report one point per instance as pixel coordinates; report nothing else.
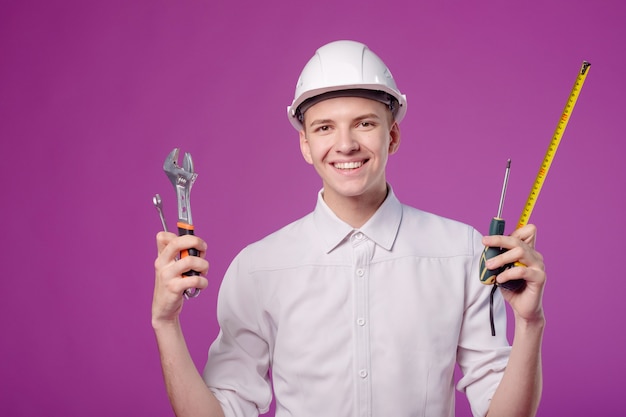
(554, 144)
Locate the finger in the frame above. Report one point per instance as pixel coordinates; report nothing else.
(500, 241)
(527, 234)
(530, 275)
(189, 263)
(163, 239)
(176, 244)
(179, 285)
(511, 256)
(517, 252)
(522, 256)
(505, 242)
(186, 242)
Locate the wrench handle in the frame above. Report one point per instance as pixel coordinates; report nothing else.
(187, 229)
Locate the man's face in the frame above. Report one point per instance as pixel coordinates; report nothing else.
(348, 141)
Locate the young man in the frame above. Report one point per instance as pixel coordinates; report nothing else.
(364, 306)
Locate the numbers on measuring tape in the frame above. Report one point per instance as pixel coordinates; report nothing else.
(554, 144)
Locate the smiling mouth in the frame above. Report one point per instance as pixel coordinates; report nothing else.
(348, 165)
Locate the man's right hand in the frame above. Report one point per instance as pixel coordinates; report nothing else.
(170, 284)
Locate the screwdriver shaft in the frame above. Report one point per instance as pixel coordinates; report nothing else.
(504, 186)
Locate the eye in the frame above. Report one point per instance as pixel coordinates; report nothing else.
(366, 124)
(322, 128)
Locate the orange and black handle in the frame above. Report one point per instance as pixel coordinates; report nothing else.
(187, 229)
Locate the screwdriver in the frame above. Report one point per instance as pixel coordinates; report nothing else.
(496, 227)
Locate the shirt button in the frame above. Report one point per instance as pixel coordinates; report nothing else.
(360, 322)
(363, 373)
(358, 236)
(360, 272)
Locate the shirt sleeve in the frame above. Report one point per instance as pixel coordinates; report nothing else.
(481, 356)
(238, 361)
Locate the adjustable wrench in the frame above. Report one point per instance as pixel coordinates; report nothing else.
(182, 179)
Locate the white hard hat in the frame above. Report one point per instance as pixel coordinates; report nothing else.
(345, 68)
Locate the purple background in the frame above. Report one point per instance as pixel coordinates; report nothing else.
(94, 95)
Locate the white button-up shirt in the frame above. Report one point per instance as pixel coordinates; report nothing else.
(366, 322)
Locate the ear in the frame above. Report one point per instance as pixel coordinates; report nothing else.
(305, 148)
(394, 138)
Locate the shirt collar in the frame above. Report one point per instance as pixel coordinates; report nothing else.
(382, 227)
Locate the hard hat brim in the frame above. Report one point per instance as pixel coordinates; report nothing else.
(345, 91)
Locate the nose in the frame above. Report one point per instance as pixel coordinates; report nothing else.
(346, 141)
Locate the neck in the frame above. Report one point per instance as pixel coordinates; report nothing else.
(357, 210)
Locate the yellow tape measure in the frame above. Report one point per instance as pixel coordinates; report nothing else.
(554, 144)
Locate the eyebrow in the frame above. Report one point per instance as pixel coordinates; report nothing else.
(368, 116)
(320, 122)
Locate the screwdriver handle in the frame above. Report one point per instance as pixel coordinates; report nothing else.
(488, 276)
(187, 229)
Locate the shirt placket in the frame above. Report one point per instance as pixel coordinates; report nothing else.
(362, 250)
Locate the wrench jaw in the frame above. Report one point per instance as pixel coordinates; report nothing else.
(182, 179)
(188, 164)
(184, 176)
(170, 166)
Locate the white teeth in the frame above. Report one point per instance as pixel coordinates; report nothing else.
(347, 165)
